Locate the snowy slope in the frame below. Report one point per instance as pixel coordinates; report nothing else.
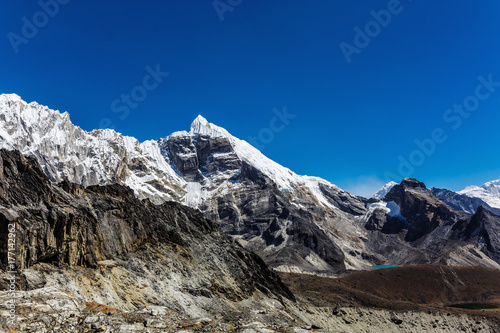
(489, 193)
(384, 190)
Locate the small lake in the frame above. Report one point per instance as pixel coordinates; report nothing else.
(475, 306)
(383, 266)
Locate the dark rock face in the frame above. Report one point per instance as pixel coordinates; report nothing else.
(215, 155)
(462, 202)
(184, 157)
(423, 211)
(254, 209)
(344, 201)
(429, 231)
(264, 217)
(483, 229)
(72, 226)
(377, 220)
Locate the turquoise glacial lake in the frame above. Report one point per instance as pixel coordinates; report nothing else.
(383, 266)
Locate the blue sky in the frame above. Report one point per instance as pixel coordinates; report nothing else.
(355, 122)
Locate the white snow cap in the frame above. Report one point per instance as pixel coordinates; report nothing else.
(202, 127)
(384, 190)
(488, 192)
(11, 97)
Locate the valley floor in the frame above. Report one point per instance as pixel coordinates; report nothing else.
(359, 302)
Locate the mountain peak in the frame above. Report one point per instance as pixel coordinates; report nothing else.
(412, 183)
(199, 121)
(488, 192)
(201, 126)
(384, 190)
(11, 97)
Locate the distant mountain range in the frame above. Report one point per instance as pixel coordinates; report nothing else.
(295, 223)
(468, 203)
(467, 200)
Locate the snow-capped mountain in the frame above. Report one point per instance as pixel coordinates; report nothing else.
(295, 223)
(66, 152)
(462, 202)
(206, 168)
(489, 193)
(384, 190)
(104, 156)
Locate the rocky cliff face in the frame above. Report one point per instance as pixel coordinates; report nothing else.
(421, 210)
(104, 245)
(483, 230)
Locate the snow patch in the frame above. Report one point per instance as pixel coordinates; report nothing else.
(194, 194)
(390, 207)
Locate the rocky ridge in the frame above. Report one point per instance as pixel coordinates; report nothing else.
(411, 222)
(102, 244)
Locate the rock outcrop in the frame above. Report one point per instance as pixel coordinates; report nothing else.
(412, 225)
(483, 230)
(104, 245)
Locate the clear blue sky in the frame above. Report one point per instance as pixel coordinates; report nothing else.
(353, 120)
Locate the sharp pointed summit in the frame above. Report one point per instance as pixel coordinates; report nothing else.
(199, 122)
(201, 126)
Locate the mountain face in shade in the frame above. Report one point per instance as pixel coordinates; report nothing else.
(483, 230)
(423, 212)
(295, 223)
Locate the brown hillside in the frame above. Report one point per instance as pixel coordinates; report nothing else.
(395, 288)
